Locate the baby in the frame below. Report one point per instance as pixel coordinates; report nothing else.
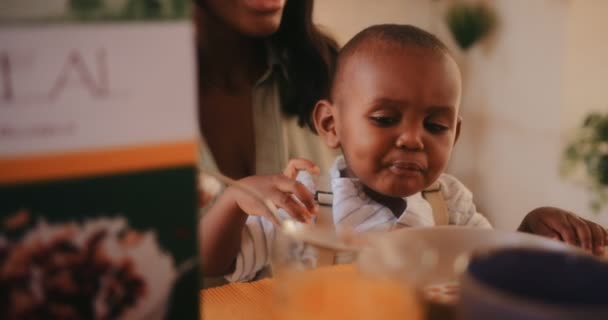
(394, 113)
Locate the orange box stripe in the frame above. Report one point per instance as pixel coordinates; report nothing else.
(96, 162)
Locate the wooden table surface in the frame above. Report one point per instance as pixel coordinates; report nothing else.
(256, 300)
(250, 300)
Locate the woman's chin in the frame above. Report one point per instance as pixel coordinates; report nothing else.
(261, 27)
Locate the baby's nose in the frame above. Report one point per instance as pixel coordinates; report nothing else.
(410, 139)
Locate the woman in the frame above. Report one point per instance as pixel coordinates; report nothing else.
(262, 66)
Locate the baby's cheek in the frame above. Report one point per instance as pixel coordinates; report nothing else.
(363, 160)
(438, 159)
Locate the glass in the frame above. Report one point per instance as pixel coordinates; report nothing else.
(367, 275)
(377, 281)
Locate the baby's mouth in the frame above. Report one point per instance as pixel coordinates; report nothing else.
(406, 168)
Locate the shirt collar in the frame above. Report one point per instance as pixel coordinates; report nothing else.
(275, 60)
(418, 211)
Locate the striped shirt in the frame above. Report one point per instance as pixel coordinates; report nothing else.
(351, 207)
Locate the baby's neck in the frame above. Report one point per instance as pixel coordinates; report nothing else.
(395, 204)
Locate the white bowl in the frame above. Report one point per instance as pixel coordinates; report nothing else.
(453, 245)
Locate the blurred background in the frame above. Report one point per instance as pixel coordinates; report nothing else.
(70, 10)
(533, 73)
(528, 85)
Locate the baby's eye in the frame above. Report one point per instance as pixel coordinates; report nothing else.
(384, 121)
(435, 127)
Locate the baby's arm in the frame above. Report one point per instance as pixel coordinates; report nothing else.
(221, 229)
(220, 232)
(257, 238)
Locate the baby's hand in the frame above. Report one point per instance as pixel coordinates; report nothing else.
(566, 226)
(298, 164)
(282, 191)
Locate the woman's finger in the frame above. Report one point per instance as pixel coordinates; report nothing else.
(599, 237)
(297, 164)
(545, 231)
(562, 226)
(583, 232)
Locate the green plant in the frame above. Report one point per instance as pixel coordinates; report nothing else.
(85, 8)
(469, 23)
(589, 151)
(125, 10)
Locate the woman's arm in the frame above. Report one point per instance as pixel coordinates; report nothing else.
(563, 225)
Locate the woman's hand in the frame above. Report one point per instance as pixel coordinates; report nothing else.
(563, 225)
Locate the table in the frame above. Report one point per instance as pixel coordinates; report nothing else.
(236, 301)
(255, 300)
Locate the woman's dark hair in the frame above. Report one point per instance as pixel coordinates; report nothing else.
(309, 57)
(310, 60)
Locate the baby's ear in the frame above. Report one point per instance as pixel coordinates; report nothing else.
(325, 122)
(458, 126)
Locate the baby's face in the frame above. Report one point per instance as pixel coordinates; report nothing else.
(397, 117)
